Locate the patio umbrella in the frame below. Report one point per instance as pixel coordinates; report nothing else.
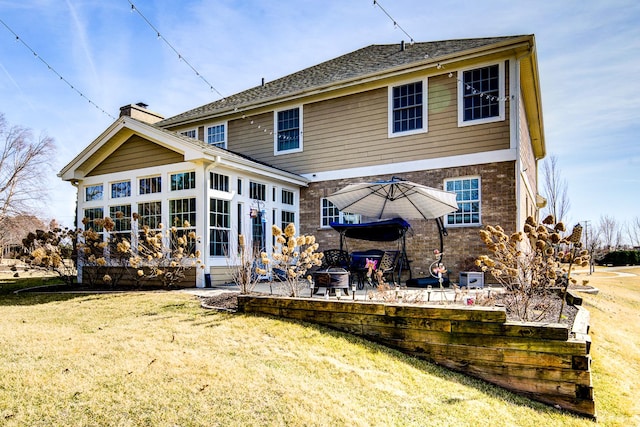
(396, 198)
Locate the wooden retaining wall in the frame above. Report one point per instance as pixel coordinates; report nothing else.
(124, 277)
(548, 363)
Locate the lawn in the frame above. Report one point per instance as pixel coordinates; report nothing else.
(159, 359)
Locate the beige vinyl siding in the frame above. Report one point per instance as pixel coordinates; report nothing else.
(136, 153)
(352, 131)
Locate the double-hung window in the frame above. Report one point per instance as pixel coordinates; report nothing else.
(217, 135)
(468, 197)
(330, 213)
(219, 227)
(288, 135)
(191, 133)
(182, 213)
(481, 95)
(407, 108)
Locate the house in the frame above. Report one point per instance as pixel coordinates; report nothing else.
(462, 115)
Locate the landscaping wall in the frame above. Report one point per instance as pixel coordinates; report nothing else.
(547, 363)
(122, 276)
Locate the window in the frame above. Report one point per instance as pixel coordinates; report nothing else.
(121, 216)
(183, 181)
(219, 227)
(257, 191)
(216, 135)
(93, 192)
(239, 186)
(219, 182)
(288, 134)
(287, 197)
(193, 133)
(287, 218)
(407, 109)
(330, 213)
(481, 95)
(468, 196)
(120, 189)
(150, 214)
(90, 215)
(150, 185)
(182, 210)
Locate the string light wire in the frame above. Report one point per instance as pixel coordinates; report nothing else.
(53, 70)
(395, 23)
(134, 8)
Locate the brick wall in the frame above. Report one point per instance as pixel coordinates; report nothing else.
(498, 207)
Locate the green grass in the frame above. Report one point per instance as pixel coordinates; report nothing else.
(159, 359)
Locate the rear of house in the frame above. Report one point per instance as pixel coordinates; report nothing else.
(461, 115)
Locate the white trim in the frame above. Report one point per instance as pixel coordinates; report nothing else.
(425, 119)
(277, 152)
(417, 165)
(501, 95)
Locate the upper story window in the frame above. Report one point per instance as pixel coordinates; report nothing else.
(288, 135)
(93, 192)
(481, 95)
(192, 133)
(330, 213)
(217, 135)
(120, 189)
(468, 197)
(150, 185)
(287, 197)
(219, 182)
(183, 181)
(257, 191)
(407, 108)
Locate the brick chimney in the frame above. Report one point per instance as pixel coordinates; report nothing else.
(139, 112)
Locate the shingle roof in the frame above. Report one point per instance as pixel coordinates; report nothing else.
(360, 63)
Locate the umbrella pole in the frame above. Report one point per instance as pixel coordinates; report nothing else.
(443, 232)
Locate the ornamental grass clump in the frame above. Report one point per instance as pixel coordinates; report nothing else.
(292, 257)
(533, 265)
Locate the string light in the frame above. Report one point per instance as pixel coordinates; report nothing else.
(395, 23)
(53, 70)
(478, 92)
(180, 57)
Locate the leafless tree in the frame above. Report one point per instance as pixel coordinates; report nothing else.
(555, 190)
(633, 232)
(610, 232)
(23, 161)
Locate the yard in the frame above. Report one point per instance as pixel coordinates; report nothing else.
(159, 359)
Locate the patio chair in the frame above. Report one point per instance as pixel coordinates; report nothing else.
(388, 265)
(336, 258)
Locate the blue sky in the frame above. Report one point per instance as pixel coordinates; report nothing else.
(588, 53)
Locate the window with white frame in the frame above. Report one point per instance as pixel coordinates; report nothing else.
(468, 197)
(330, 213)
(287, 197)
(287, 218)
(219, 182)
(121, 216)
(407, 104)
(239, 186)
(192, 133)
(93, 192)
(150, 185)
(288, 135)
(183, 181)
(216, 135)
(90, 215)
(219, 227)
(182, 212)
(257, 191)
(150, 214)
(120, 189)
(481, 95)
